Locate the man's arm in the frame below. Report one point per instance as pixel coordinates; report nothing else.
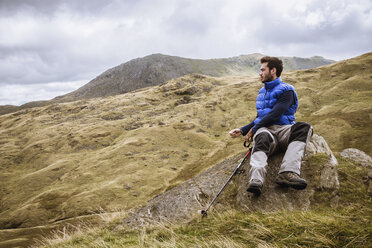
(241, 131)
(284, 102)
(246, 128)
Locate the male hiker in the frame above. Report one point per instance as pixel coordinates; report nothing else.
(275, 128)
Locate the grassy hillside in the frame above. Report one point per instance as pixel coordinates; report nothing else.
(74, 159)
(341, 221)
(337, 100)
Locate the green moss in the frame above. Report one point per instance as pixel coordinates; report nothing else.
(312, 167)
(353, 183)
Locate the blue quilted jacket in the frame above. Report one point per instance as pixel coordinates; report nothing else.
(268, 96)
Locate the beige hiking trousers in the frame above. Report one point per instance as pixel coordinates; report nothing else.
(267, 140)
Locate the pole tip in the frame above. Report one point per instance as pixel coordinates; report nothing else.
(203, 213)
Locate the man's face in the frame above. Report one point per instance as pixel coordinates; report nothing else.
(265, 74)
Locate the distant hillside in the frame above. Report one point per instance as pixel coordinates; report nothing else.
(158, 68)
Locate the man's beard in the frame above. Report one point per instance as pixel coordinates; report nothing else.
(269, 78)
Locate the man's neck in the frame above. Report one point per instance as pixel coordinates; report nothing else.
(273, 79)
(273, 83)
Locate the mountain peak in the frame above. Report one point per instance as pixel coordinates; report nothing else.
(158, 68)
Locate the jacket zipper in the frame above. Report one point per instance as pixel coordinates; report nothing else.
(265, 98)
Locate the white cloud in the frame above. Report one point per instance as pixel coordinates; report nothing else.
(18, 94)
(315, 19)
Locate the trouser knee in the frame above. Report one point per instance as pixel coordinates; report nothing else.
(262, 142)
(300, 131)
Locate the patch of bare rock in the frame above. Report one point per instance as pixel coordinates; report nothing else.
(184, 202)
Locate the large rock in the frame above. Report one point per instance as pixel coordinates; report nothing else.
(274, 198)
(370, 180)
(357, 156)
(185, 201)
(328, 176)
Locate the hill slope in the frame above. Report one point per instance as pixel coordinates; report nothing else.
(337, 100)
(328, 223)
(157, 68)
(74, 159)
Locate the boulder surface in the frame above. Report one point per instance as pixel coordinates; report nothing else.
(357, 156)
(185, 201)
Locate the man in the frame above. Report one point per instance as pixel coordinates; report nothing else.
(275, 128)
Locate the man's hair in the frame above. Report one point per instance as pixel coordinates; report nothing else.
(273, 62)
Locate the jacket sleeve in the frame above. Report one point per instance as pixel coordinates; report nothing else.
(246, 128)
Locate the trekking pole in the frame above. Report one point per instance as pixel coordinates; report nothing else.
(204, 212)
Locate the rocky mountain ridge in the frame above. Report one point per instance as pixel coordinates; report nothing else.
(156, 69)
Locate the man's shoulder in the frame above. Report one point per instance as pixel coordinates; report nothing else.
(284, 83)
(262, 89)
(286, 86)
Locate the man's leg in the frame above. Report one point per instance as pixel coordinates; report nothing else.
(289, 172)
(264, 144)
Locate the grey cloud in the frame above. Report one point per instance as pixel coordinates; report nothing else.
(27, 67)
(189, 18)
(48, 7)
(350, 32)
(67, 40)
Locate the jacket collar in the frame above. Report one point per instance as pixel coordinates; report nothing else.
(272, 84)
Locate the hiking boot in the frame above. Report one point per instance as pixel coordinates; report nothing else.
(291, 179)
(255, 187)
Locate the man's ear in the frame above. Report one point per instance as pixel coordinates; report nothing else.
(273, 71)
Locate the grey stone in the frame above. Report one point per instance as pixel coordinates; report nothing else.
(328, 176)
(369, 180)
(184, 202)
(370, 174)
(357, 156)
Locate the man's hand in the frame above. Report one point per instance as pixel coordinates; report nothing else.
(249, 136)
(235, 133)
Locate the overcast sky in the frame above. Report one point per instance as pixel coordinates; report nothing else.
(52, 47)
